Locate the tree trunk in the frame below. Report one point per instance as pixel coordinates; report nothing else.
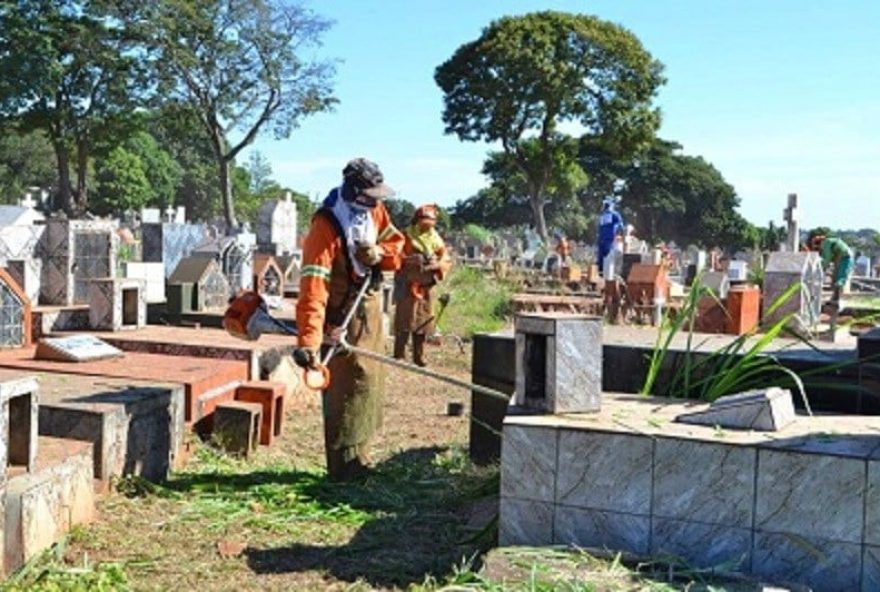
(82, 171)
(64, 199)
(540, 221)
(226, 194)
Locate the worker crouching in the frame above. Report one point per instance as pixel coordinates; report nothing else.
(351, 239)
(426, 262)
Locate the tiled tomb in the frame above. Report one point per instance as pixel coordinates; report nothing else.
(268, 277)
(74, 252)
(153, 276)
(168, 243)
(117, 304)
(799, 505)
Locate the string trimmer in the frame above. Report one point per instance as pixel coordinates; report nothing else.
(248, 317)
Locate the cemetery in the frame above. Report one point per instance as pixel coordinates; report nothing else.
(629, 371)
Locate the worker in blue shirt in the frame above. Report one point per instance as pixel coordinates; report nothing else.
(610, 225)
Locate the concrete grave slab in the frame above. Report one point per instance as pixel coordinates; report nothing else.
(766, 409)
(528, 460)
(822, 564)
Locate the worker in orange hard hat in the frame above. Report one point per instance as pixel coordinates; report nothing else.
(351, 239)
(426, 262)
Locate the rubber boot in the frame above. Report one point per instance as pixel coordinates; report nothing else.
(419, 349)
(400, 340)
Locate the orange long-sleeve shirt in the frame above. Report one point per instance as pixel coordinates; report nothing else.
(325, 277)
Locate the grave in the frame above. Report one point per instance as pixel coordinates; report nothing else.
(168, 243)
(268, 277)
(647, 284)
(74, 252)
(798, 504)
(789, 269)
(45, 483)
(738, 271)
(206, 382)
(276, 226)
(234, 254)
(792, 222)
(15, 313)
(197, 285)
(562, 362)
(117, 304)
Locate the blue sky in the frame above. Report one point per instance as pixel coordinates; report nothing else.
(781, 96)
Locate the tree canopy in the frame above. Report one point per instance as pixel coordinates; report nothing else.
(238, 66)
(70, 71)
(526, 75)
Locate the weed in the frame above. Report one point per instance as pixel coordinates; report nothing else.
(479, 303)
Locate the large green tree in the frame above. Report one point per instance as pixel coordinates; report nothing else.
(122, 183)
(71, 71)
(26, 160)
(673, 196)
(240, 66)
(526, 75)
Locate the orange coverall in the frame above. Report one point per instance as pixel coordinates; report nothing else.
(352, 402)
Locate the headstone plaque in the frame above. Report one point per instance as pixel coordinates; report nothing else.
(76, 348)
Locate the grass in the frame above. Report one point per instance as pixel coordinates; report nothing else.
(741, 365)
(479, 302)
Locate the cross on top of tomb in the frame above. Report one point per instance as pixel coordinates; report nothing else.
(28, 201)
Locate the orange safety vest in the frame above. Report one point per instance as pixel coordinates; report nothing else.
(322, 282)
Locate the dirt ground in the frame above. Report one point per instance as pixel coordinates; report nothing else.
(275, 523)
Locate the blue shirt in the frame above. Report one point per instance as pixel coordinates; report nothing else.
(610, 225)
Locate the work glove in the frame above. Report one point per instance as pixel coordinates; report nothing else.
(305, 357)
(368, 254)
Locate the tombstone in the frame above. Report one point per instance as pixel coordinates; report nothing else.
(197, 285)
(268, 277)
(235, 256)
(117, 304)
(180, 215)
(168, 243)
(558, 362)
(75, 348)
(764, 410)
(718, 282)
(793, 235)
(151, 216)
(15, 313)
(629, 259)
(153, 276)
(74, 252)
(738, 271)
(26, 273)
(801, 269)
(276, 226)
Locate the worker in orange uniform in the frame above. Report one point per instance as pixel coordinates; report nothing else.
(426, 262)
(563, 249)
(351, 239)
